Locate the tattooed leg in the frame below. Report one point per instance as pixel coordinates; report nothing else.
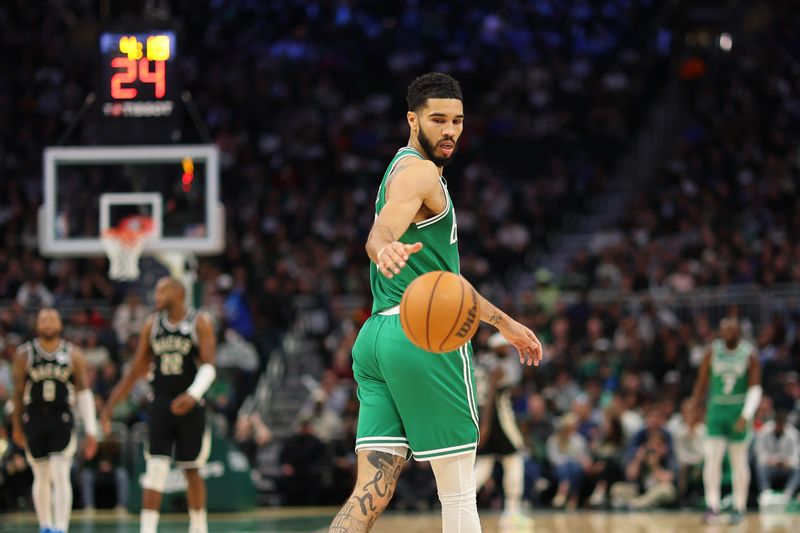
(377, 479)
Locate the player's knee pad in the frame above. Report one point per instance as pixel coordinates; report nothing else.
(155, 477)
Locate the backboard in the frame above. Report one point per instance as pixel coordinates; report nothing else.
(89, 189)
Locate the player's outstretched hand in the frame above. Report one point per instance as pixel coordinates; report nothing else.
(19, 436)
(524, 340)
(182, 404)
(392, 257)
(90, 447)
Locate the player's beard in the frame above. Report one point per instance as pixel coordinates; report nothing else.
(430, 149)
(49, 335)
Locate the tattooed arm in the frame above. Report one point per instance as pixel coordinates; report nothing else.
(519, 336)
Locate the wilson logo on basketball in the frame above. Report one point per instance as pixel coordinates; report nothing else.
(472, 315)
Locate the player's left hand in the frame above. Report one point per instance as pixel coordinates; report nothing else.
(90, 447)
(740, 425)
(524, 340)
(182, 404)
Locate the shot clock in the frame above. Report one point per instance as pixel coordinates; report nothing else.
(139, 92)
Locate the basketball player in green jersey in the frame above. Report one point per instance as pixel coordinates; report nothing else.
(731, 375)
(416, 403)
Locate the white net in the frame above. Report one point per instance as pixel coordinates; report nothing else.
(124, 246)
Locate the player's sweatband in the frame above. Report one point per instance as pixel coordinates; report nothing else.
(202, 381)
(85, 403)
(751, 402)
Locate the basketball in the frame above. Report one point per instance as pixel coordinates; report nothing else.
(439, 312)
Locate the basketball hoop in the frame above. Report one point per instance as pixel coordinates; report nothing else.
(124, 244)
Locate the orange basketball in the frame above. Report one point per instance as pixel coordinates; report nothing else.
(439, 312)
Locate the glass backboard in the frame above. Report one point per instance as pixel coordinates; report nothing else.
(88, 189)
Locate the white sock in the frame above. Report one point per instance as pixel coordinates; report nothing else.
(198, 523)
(712, 471)
(455, 481)
(740, 474)
(513, 481)
(148, 521)
(42, 492)
(62, 491)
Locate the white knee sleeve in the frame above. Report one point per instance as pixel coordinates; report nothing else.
(42, 493)
(741, 474)
(60, 466)
(155, 477)
(712, 471)
(455, 481)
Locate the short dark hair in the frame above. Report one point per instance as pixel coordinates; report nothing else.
(432, 85)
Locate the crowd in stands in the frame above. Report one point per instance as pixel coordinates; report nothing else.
(553, 95)
(725, 209)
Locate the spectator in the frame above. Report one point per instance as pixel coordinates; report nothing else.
(33, 294)
(536, 428)
(607, 452)
(302, 460)
(251, 433)
(654, 423)
(129, 317)
(688, 435)
(650, 478)
(95, 353)
(777, 452)
(237, 312)
(104, 481)
(416, 488)
(344, 460)
(567, 451)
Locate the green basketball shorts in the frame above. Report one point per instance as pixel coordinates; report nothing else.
(409, 397)
(721, 418)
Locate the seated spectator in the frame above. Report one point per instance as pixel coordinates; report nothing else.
(250, 433)
(688, 436)
(606, 452)
(344, 460)
(654, 422)
(567, 451)
(777, 451)
(104, 480)
(302, 461)
(416, 487)
(650, 477)
(536, 427)
(16, 478)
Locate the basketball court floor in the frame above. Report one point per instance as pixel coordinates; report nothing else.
(315, 520)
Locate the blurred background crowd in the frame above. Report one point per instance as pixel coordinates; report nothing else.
(308, 112)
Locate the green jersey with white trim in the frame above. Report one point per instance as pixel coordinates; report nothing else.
(439, 238)
(728, 383)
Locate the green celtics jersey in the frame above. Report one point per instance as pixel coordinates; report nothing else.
(437, 234)
(729, 372)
